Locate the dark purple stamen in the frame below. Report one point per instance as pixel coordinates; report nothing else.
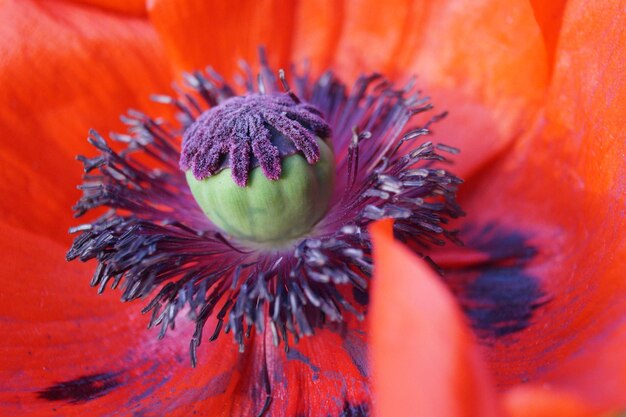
(154, 239)
(257, 126)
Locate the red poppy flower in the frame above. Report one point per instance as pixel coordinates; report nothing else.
(535, 100)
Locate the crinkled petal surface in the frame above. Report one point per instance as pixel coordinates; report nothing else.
(486, 60)
(76, 354)
(424, 359)
(549, 16)
(560, 191)
(198, 33)
(535, 401)
(98, 65)
(133, 7)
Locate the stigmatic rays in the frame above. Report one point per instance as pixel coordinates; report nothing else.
(155, 241)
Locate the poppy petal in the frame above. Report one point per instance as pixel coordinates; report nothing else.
(424, 360)
(55, 94)
(134, 7)
(484, 62)
(384, 27)
(322, 375)
(198, 33)
(533, 401)
(597, 372)
(563, 186)
(73, 353)
(549, 15)
(318, 26)
(490, 69)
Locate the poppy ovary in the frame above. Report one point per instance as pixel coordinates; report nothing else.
(261, 167)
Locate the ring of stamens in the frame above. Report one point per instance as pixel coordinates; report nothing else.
(154, 239)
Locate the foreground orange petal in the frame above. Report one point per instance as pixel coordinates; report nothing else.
(424, 360)
(101, 64)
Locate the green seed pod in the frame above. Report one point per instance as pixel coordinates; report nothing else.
(266, 211)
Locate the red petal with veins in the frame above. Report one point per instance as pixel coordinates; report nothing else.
(133, 7)
(563, 186)
(198, 33)
(484, 61)
(99, 64)
(74, 353)
(317, 27)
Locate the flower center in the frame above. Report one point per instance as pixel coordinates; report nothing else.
(260, 167)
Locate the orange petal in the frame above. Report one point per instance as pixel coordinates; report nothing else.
(322, 375)
(374, 33)
(534, 401)
(549, 15)
(100, 64)
(597, 372)
(485, 62)
(73, 353)
(424, 360)
(198, 33)
(135, 7)
(79, 354)
(318, 25)
(563, 187)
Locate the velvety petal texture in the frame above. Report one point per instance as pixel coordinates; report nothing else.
(536, 95)
(484, 61)
(549, 16)
(424, 359)
(561, 190)
(198, 33)
(77, 68)
(74, 354)
(133, 7)
(534, 401)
